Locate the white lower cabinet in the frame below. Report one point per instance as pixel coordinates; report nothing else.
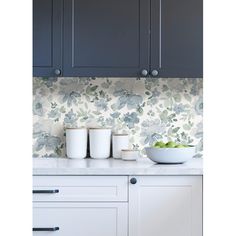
(165, 206)
(117, 206)
(80, 219)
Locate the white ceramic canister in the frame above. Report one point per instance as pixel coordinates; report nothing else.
(129, 155)
(100, 143)
(119, 142)
(76, 142)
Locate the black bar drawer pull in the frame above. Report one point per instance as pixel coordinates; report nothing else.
(46, 229)
(46, 191)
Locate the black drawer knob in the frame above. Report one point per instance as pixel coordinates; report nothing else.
(133, 180)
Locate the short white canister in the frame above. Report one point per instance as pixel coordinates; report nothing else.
(119, 142)
(99, 143)
(129, 155)
(76, 142)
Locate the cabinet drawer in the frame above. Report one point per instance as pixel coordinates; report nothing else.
(80, 188)
(80, 219)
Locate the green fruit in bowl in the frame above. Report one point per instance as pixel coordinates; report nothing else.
(159, 144)
(171, 144)
(180, 146)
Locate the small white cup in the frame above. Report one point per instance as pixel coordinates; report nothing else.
(129, 155)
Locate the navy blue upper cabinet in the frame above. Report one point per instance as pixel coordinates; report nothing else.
(106, 37)
(47, 35)
(177, 38)
(118, 38)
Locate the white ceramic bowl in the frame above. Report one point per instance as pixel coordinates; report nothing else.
(170, 155)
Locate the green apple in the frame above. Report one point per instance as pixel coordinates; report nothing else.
(160, 144)
(170, 144)
(180, 146)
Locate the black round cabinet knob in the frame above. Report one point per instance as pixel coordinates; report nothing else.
(133, 180)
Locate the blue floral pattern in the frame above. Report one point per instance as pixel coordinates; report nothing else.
(147, 109)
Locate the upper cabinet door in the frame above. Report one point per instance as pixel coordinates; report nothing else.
(106, 37)
(47, 33)
(177, 38)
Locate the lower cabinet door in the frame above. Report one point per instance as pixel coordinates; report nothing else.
(165, 206)
(80, 219)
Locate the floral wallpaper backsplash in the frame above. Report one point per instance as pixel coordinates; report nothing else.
(147, 109)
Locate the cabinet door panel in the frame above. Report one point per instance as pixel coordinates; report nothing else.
(81, 219)
(177, 38)
(47, 32)
(166, 206)
(106, 37)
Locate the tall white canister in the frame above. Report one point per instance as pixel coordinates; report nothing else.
(119, 142)
(99, 142)
(76, 142)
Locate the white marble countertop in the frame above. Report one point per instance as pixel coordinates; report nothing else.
(88, 166)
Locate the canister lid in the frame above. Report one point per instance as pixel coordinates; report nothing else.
(120, 134)
(76, 128)
(97, 128)
(129, 150)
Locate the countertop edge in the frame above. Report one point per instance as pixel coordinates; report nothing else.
(57, 167)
